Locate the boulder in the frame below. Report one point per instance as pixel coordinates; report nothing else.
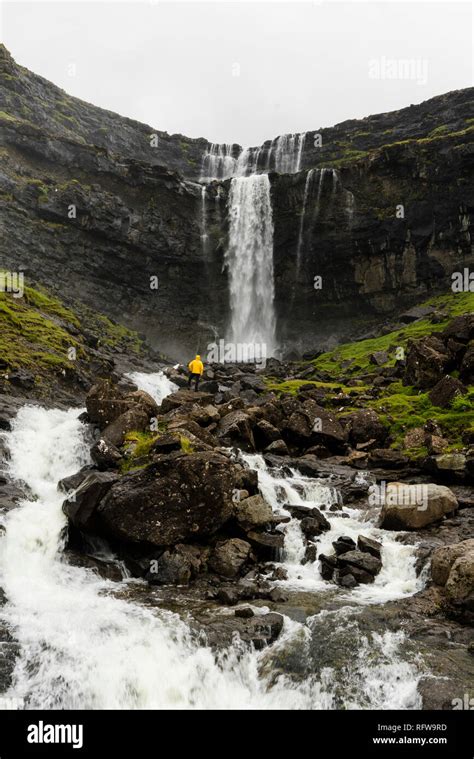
(461, 328)
(415, 438)
(315, 524)
(81, 506)
(365, 425)
(409, 507)
(309, 422)
(460, 585)
(444, 557)
(466, 370)
(105, 455)
(105, 403)
(143, 399)
(343, 544)
(135, 419)
(360, 560)
(450, 466)
(267, 545)
(368, 545)
(378, 358)
(426, 361)
(278, 447)
(265, 433)
(253, 512)
(177, 498)
(444, 392)
(229, 556)
(328, 566)
(184, 396)
(236, 427)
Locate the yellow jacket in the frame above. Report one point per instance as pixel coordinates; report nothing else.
(196, 366)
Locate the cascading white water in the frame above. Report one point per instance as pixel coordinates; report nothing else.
(157, 384)
(249, 258)
(218, 163)
(286, 152)
(307, 189)
(81, 647)
(84, 647)
(398, 575)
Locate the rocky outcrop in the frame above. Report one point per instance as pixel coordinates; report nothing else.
(134, 247)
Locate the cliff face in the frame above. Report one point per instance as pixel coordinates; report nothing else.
(93, 210)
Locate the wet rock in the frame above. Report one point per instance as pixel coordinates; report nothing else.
(81, 507)
(265, 434)
(143, 399)
(253, 512)
(328, 566)
(229, 556)
(314, 525)
(358, 560)
(177, 498)
(268, 545)
(278, 447)
(444, 392)
(245, 612)
(135, 419)
(105, 403)
(310, 554)
(368, 545)
(347, 581)
(105, 455)
(408, 507)
(167, 443)
(343, 545)
(182, 397)
(236, 428)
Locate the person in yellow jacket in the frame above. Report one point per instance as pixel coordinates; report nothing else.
(196, 368)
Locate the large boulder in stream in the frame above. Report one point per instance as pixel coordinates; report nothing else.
(452, 567)
(409, 507)
(180, 497)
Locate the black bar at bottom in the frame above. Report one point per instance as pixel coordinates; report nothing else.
(108, 733)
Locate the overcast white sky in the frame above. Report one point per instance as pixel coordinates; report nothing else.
(243, 71)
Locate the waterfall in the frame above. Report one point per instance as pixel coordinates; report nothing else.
(286, 152)
(249, 259)
(157, 384)
(218, 162)
(307, 188)
(204, 235)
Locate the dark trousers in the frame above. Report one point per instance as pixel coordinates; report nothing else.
(196, 378)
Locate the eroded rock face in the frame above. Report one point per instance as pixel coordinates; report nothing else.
(409, 507)
(444, 558)
(178, 498)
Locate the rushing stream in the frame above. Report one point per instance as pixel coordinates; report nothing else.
(81, 646)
